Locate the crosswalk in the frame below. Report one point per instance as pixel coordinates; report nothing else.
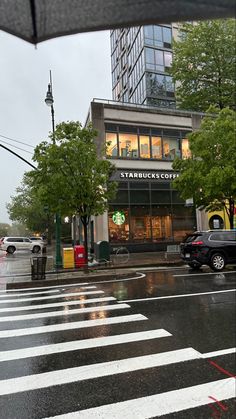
(72, 351)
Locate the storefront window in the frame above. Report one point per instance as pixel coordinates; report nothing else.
(140, 224)
(183, 222)
(156, 148)
(111, 144)
(161, 228)
(144, 146)
(128, 145)
(170, 148)
(118, 224)
(186, 153)
(161, 223)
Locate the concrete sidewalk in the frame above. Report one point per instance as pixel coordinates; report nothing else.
(119, 267)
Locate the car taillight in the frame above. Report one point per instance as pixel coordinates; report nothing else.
(197, 243)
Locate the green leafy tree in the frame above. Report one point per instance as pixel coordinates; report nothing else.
(4, 228)
(70, 177)
(26, 208)
(209, 176)
(204, 65)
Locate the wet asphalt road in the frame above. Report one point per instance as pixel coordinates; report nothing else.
(140, 348)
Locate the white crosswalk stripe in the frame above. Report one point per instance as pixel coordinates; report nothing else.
(51, 305)
(63, 312)
(70, 326)
(159, 404)
(39, 292)
(47, 351)
(52, 297)
(83, 344)
(87, 372)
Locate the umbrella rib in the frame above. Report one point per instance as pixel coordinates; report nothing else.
(33, 15)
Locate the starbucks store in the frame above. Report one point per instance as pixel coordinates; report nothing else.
(147, 212)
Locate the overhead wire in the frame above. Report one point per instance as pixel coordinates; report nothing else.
(16, 141)
(18, 148)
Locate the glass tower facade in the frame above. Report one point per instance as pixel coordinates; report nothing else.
(140, 59)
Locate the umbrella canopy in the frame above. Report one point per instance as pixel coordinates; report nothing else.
(38, 20)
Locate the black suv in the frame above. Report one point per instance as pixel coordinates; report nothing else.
(215, 248)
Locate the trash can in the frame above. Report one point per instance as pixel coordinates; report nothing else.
(38, 267)
(68, 257)
(102, 251)
(79, 253)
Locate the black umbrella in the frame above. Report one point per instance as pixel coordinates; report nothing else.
(38, 20)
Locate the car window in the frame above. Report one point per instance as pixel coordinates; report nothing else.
(15, 239)
(223, 236)
(192, 238)
(27, 240)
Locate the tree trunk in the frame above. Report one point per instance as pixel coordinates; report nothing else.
(231, 212)
(85, 221)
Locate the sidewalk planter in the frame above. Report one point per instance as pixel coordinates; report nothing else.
(79, 255)
(68, 257)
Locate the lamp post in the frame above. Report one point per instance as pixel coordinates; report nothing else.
(49, 101)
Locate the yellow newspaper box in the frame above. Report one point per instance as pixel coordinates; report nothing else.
(68, 257)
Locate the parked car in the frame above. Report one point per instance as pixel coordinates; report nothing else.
(11, 244)
(215, 248)
(38, 239)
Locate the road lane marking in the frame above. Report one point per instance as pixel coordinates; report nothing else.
(206, 273)
(45, 288)
(159, 404)
(141, 276)
(164, 297)
(82, 344)
(30, 293)
(52, 297)
(51, 305)
(87, 372)
(72, 325)
(64, 312)
(219, 353)
(42, 292)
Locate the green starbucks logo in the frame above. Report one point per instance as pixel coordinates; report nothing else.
(118, 218)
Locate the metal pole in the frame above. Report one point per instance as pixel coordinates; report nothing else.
(58, 261)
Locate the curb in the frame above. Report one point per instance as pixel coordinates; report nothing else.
(65, 281)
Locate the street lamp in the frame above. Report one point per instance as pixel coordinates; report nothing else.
(49, 101)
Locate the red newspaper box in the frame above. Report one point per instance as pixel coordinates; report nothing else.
(79, 253)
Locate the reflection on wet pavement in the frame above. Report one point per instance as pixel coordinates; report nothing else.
(158, 284)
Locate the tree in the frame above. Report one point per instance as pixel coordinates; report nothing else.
(26, 208)
(4, 229)
(70, 177)
(204, 65)
(209, 176)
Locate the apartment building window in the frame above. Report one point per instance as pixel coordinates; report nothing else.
(171, 148)
(128, 145)
(128, 141)
(144, 142)
(160, 36)
(156, 147)
(186, 153)
(111, 144)
(157, 60)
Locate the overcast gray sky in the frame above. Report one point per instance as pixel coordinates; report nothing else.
(80, 67)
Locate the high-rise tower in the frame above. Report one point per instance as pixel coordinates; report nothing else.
(140, 59)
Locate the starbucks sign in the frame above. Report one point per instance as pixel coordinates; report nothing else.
(118, 218)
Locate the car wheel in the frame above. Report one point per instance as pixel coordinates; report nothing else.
(217, 262)
(11, 250)
(194, 266)
(36, 249)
